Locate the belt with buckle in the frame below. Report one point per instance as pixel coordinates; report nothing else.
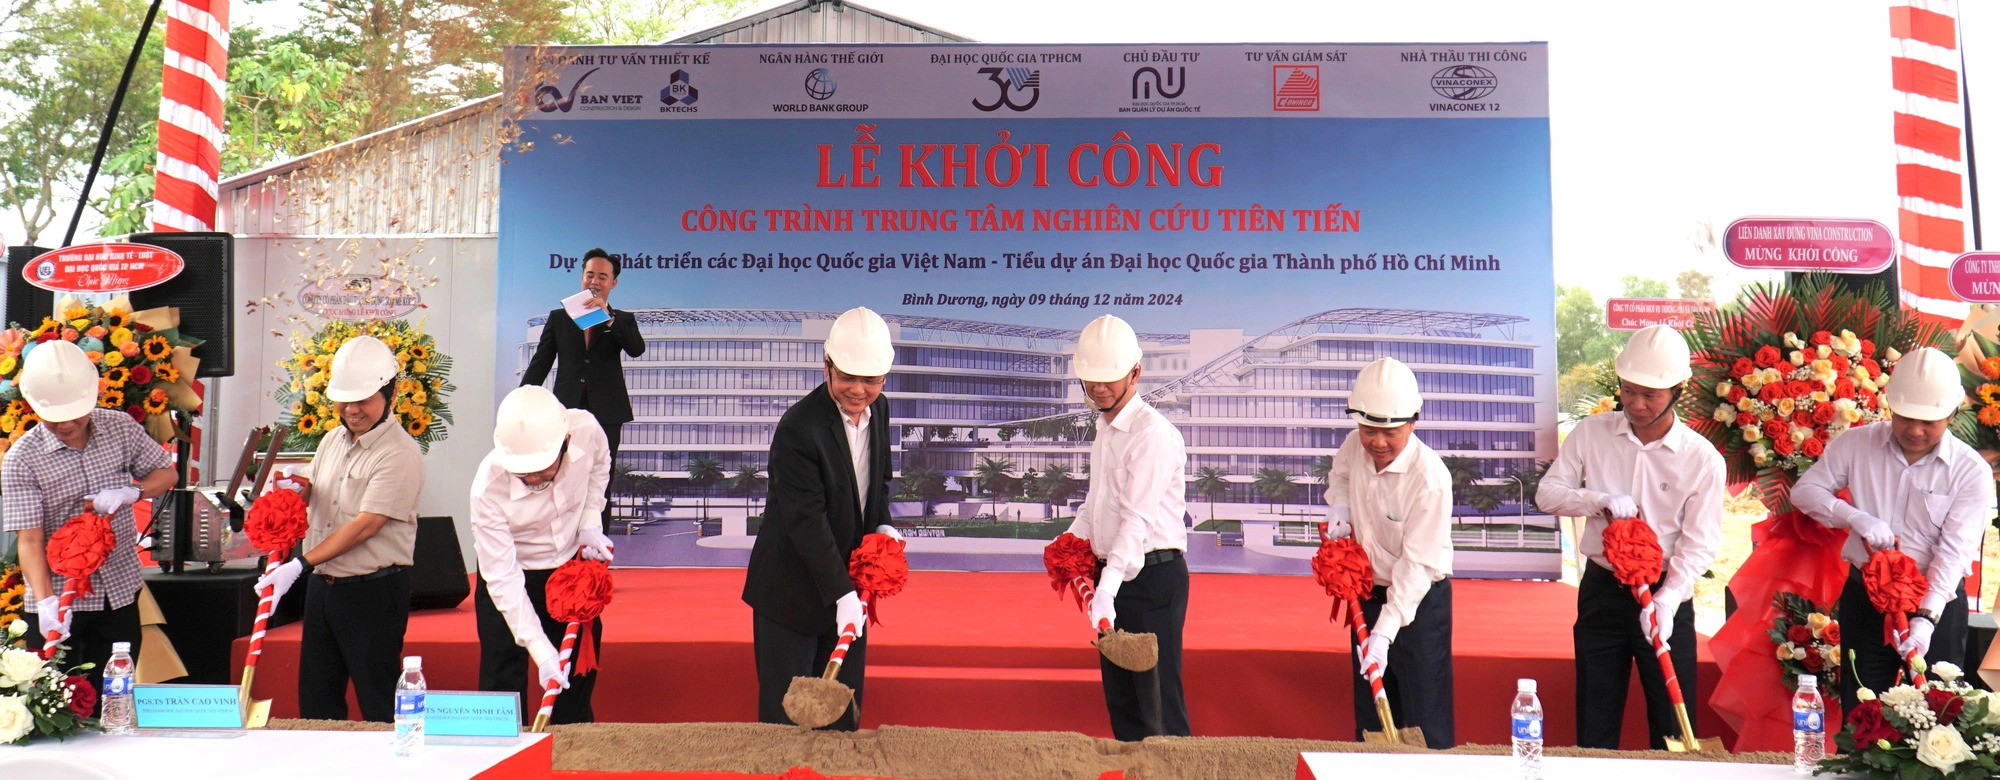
(373, 575)
(1162, 556)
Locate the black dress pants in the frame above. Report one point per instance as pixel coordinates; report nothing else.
(352, 631)
(506, 666)
(1419, 679)
(783, 654)
(1876, 662)
(1608, 642)
(1155, 602)
(91, 635)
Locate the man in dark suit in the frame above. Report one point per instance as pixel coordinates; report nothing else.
(829, 486)
(589, 363)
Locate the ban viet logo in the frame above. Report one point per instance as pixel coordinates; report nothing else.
(1295, 88)
(549, 99)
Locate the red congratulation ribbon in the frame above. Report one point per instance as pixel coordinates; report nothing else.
(1342, 567)
(879, 570)
(75, 551)
(1072, 567)
(1896, 587)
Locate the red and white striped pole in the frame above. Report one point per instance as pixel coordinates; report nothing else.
(1931, 211)
(194, 88)
(548, 706)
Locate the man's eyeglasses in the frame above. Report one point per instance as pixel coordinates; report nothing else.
(539, 481)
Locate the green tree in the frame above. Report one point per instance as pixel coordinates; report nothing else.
(923, 482)
(1464, 474)
(414, 57)
(632, 22)
(1008, 432)
(749, 482)
(704, 472)
(59, 67)
(1695, 284)
(992, 473)
(1581, 333)
(1275, 485)
(1641, 287)
(1212, 482)
(1484, 499)
(1054, 487)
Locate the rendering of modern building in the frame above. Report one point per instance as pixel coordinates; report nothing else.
(713, 382)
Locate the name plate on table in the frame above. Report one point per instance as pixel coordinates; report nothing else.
(472, 715)
(187, 707)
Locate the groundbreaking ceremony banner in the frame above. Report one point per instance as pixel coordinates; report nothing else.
(1270, 218)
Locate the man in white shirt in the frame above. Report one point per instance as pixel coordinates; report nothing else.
(536, 500)
(1916, 488)
(1132, 517)
(1638, 462)
(1393, 494)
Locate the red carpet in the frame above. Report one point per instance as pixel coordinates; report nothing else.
(999, 651)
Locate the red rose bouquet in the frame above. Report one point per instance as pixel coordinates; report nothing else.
(1808, 640)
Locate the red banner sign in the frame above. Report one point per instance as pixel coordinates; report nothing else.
(1975, 277)
(1636, 313)
(102, 268)
(1848, 246)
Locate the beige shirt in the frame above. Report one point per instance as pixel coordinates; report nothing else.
(516, 528)
(1402, 518)
(381, 472)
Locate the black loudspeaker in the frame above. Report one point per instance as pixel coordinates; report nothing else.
(26, 303)
(204, 291)
(205, 612)
(438, 580)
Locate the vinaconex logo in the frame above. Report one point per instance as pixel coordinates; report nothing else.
(1464, 82)
(549, 99)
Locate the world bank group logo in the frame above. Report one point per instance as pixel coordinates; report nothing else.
(820, 84)
(680, 93)
(1464, 82)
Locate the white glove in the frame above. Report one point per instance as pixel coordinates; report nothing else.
(1375, 654)
(1339, 522)
(50, 617)
(109, 500)
(1873, 530)
(592, 544)
(1656, 621)
(1103, 609)
(281, 578)
(1620, 507)
(889, 531)
(849, 611)
(548, 665)
(1918, 639)
(289, 479)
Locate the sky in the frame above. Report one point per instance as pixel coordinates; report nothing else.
(1663, 115)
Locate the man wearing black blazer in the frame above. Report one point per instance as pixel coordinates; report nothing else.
(589, 363)
(829, 487)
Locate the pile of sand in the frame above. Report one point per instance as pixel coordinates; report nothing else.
(909, 752)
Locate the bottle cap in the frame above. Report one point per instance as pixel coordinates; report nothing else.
(413, 662)
(1808, 681)
(1525, 685)
(121, 647)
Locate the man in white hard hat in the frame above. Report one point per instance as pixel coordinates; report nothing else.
(1916, 488)
(829, 487)
(1640, 461)
(80, 457)
(1393, 494)
(361, 509)
(1131, 515)
(535, 504)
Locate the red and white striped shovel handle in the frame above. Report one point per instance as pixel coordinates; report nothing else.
(1645, 597)
(549, 692)
(1089, 593)
(1372, 672)
(49, 644)
(266, 602)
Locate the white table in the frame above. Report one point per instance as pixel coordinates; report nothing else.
(293, 755)
(1340, 766)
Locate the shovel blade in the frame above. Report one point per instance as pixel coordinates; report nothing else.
(258, 715)
(1701, 745)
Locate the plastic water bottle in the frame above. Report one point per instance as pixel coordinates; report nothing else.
(115, 713)
(1808, 726)
(1527, 731)
(410, 707)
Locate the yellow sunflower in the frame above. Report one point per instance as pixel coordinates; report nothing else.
(1989, 393)
(116, 320)
(156, 405)
(112, 399)
(308, 424)
(117, 375)
(416, 427)
(16, 407)
(157, 348)
(167, 373)
(420, 352)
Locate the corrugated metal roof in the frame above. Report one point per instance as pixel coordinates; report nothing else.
(439, 174)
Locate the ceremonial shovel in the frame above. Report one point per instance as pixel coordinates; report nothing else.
(1688, 742)
(816, 702)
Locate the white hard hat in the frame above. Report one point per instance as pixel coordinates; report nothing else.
(859, 343)
(1656, 357)
(360, 368)
(1385, 394)
(1925, 386)
(531, 429)
(1107, 350)
(59, 381)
